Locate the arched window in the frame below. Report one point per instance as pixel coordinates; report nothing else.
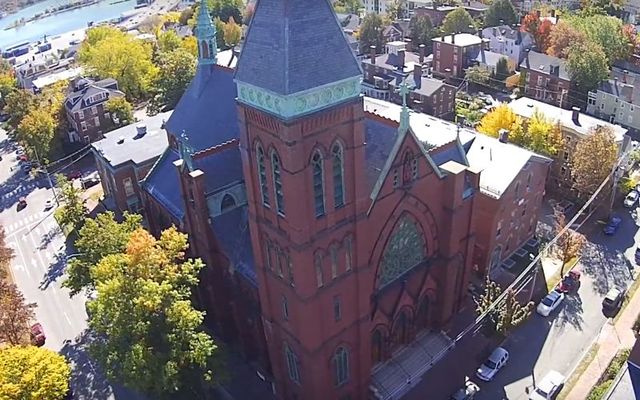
(262, 176)
(348, 243)
(318, 183)
(228, 202)
(529, 182)
(422, 316)
(406, 168)
(210, 47)
(204, 48)
(338, 176)
(401, 330)
(377, 347)
(285, 308)
(334, 261)
(293, 364)
(318, 267)
(341, 360)
(405, 249)
(414, 168)
(277, 182)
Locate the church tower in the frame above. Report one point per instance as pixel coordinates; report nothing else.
(206, 36)
(302, 143)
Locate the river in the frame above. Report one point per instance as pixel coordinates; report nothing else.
(59, 23)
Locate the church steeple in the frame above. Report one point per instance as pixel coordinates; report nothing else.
(206, 36)
(296, 60)
(404, 114)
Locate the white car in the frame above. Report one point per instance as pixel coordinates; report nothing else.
(631, 199)
(550, 303)
(468, 392)
(548, 387)
(48, 204)
(490, 368)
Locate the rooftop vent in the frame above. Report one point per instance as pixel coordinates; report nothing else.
(120, 140)
(141, 130)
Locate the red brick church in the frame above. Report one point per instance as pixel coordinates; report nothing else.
(335, 240)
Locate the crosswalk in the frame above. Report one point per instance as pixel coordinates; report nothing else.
(28, 221)
(20, 189)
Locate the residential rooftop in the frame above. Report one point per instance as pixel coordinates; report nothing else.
(545, 64)
(459, 39)
(127, 144)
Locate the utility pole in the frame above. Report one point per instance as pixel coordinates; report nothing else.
(46, 170)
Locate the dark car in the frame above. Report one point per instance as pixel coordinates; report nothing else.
(637, 255)
(613, 300)
(4, 117)
(22, 203)
(37, 335)
(75, 174)
(612, 226)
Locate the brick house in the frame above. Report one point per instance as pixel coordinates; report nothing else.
(547, 78)
(125, 156)
(85, 108)
(452, 54)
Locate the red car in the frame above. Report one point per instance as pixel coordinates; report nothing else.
(75, 174)
(23, 157)
(37, 335)
(570, 282)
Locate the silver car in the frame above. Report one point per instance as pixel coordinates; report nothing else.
(490, 368)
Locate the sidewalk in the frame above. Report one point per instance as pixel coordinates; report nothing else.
(611, 339)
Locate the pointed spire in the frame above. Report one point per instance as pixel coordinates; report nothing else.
(206, 36)
(404, 114)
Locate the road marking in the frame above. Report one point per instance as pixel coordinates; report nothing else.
(66, 317)
(20, 223)
(37, 229)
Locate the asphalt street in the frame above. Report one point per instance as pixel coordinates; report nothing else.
(40, 257)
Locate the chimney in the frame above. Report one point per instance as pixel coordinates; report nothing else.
(372, 51)
(401, 58)
(141, 130)
(417, 74)
(453, 38)
(575, 115)
(422, 50)
(624, 76)
(503, 136)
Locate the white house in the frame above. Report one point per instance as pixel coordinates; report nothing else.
(508, 41)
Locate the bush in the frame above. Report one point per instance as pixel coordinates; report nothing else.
(607, 378)
(627, 184)
(598, 392)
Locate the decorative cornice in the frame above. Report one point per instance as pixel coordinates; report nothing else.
(302, 103)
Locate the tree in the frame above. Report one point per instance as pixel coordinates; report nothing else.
(458, 21)
(421, 31)
(593, 160)
(220, 33)
(605, 31)
(502, 69)
(232, 33)
(395, 10)
(18, 104)
(371, 33)
(499, 118)
(8, 84)
(177, 68)
(120, 109)
(33, 373)
(508, 314)
(16, 315)
(6, 252)
(37, 129)
(587, 64)
(542, 135)
(344, 6)
(531, 23)
(225, 9)
(144, 299)
(110, 53)
(562, 37)
(186, 15)
(501, 12)
(478, 74)
(98, 238)
(190, 44)
(543, 35)
(169, 41)
(72, 212)
(570, 244)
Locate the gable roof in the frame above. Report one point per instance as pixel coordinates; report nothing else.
(490, 58)
(542, 63)
(232, 232)
(286, 44)
(163, 184)
(624, 91)
(75, 100)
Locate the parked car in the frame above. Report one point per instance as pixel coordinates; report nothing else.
(632, 199)
(468, 392)
(550, 302)
(548, 387)
(74, 174)
(570, 282)
(612, 226)
(22, 203)
(637, 255)
(37, 335)
(490, 368)
(23, 157)
(613, 300)
(48, 204)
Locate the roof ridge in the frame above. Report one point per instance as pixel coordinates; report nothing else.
(215, 148)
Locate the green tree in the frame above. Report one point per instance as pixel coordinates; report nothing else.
(593, 160)
(190, 44)
(502, 69)
(587, 64)
(169, 41)
(225, 9)
(501, 12)
(604, 31)
(457, 21)
(421, 31)
(33, 373)
(144, 299)
(232, 33)
(371, 33)
(220, 33)
(121, 110)
(99, 237)
(395, 10)
(478, 74)
(18, 104)
(507, 314)
(347, 6)
(16, 315)
(8, 84)
(570, 244)
(542, 135)
(110, 53)
(37, 129)
(177, 69)
(72, 211)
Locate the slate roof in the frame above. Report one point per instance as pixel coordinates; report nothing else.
(220, 169)
(288, 44)
(490, 58)
(379, 138)
(134, 148)
(541, 63)
(75, 100)
(163, 184)
(505, 31)
(428, 86)
(392, 61)
(623, 91)
(232, 232)
(628, 65)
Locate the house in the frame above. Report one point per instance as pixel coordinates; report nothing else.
(455, 53)
(378, 6)
(508, 41)
(574, 126)
(489, 59)
(547, 78)
(46, 80)
(85, 108)
(383, 74)
(125, 156)
(617, 100)
(334, 240)
(398, 31)
(39, 67)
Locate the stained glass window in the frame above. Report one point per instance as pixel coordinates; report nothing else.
(341, 359)
(338, 176)
(262, 176)
(405, 249)
(293, 364)
(277, 182)
(318, 184)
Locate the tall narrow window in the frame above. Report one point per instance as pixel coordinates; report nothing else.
(318, 267)
(285, 308)
(293, 365)
(334, 261)
(341, 359)
(279, 257)
(338, 176)
(267, 250)
(262, 176)
(277, 182)
(347, 253)
(290, 270)
(318, 184)
(337, 309)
